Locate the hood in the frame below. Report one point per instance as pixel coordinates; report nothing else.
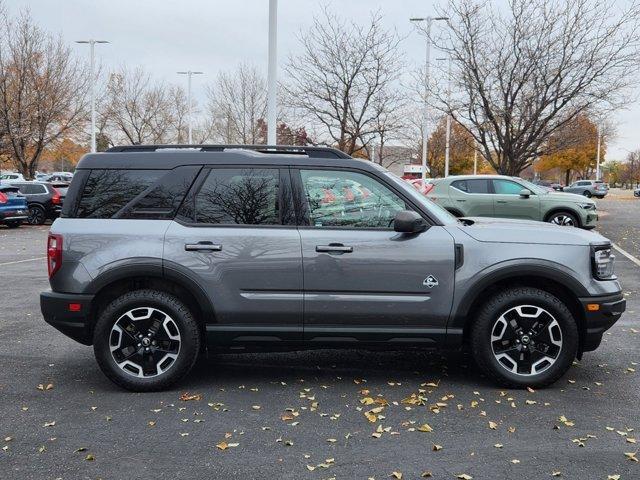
(566, 197)
(507, 230)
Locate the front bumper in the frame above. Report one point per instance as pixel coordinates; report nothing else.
(57, 312)
(609, 309)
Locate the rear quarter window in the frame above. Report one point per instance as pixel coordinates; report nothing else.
(143, 194)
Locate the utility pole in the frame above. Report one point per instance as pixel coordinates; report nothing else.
(448, 134)
(425, 127)
(92, 44)
(598, 153)
(189, 74)
(272, 77)
(475, 160)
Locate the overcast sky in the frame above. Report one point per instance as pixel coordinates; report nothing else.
(165, 36)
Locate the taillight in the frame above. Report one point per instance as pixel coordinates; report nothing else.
(54, 253)
(3, 198)
(56, 197)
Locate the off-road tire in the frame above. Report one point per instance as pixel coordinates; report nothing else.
(496, 306)
(187, 325)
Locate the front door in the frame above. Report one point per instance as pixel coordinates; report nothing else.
(362, 280)
(508, 203)
(239, 241)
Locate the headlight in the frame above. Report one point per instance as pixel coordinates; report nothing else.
(602, 260)
(588, 206)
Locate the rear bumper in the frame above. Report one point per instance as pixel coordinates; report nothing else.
(74, 324)
(610, 309)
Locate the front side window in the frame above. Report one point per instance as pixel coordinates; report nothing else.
(239, 196)
(337, 198)
(507, 187)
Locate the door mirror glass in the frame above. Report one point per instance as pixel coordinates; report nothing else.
(407, 221)
(525, 193)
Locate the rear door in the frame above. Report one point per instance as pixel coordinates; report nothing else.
(508, 203)
(363, 281)
(472, 197)
(236, 234)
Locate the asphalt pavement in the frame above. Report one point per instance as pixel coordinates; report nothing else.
(303, 415)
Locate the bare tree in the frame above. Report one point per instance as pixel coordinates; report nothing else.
(343, 81)
(43, 91)
(139, 110)
(520, 76)
(237, 100)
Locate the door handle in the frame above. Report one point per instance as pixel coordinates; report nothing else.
(501, 201)
(202, 246)
(460, 200)
(333, 248)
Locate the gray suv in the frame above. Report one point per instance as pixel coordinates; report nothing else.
(166, 253)
(588, 188)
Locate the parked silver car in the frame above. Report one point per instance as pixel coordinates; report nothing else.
(588, 188)
(160, 257)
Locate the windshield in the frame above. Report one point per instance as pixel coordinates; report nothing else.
(436, 210)
(533, 187)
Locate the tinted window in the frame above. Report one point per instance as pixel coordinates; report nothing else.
(472, 186)
(348, 199)
(106, 192)
(162, 199)
(239, 196)
(507, 187)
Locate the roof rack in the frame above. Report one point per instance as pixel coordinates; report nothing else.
(312, 152)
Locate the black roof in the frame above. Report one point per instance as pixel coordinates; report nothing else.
(164, 157)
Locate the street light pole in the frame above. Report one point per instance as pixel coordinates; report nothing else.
(92, 44)
(598, 153)
(448, 134)
(189, 74)
(272, 73)
(425, 128)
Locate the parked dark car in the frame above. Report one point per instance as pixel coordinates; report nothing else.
(13, 206)
(44, 200)
(636, 192)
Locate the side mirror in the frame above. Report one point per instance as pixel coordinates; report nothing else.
(407, 221)
(525, 193)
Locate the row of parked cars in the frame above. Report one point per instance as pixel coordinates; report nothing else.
(33, 202)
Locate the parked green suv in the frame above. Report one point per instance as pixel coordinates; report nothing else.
(508, 197)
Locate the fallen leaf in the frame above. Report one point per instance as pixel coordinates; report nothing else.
(222, 445)
(556, 473)
(498, 445)
(436, 448)
(186, 397)
(464, 476)
(515, 461)
(397, 475)
(631, 456)
(493, 425)
(425, 428)
(426, 474)
(613, 477)
(90, 458)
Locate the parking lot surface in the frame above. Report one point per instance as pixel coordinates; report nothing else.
(302, 414)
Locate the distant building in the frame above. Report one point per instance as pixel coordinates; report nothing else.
(401, 161)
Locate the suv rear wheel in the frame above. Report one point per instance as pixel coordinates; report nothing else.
(146, 340)
(524, 337)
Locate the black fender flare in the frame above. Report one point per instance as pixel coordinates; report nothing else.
(507, 270)
(154, 268)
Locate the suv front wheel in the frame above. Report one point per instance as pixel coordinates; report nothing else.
(146, 340)
(524, 337)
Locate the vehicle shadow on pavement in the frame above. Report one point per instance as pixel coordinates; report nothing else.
(329, 364)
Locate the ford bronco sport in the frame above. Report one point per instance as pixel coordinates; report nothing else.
(164, 253)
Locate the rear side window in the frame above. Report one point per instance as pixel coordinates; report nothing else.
(239, 196)
(152, 194)
(472, 186)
